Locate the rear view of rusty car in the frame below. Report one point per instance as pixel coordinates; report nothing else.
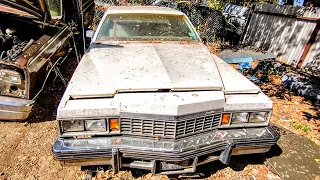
(36, 36)
(148, 94)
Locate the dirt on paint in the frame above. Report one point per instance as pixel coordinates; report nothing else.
(25, 147)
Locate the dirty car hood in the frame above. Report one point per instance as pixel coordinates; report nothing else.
(107, 70)
(36, 8)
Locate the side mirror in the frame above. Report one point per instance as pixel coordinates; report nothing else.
(89, 33)
(201, 35)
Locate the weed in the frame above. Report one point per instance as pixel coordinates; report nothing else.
(303, 127)
(306, 128)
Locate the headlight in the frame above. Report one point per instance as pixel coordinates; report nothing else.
(258, 117)
(239, 117)
(10, 76)
(73, 125)
(96, 125)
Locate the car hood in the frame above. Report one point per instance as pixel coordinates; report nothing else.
(33, 8)
(107, 70)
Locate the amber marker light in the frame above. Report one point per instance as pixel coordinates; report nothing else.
(114, 124)
(225, 119)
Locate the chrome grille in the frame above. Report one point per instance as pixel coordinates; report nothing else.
(169, 129)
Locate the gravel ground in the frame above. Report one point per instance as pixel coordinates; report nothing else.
(25, 147)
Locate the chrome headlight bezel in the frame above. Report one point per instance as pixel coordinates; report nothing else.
(263, 117)
(72, 125)
(96, 125)
(249, 118)
(240, 117)
(87, 126)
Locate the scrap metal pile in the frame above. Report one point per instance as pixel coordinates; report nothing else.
(11, 46)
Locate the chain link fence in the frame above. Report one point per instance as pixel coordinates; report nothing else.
(209, 22)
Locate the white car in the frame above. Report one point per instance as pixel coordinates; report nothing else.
(148, 94)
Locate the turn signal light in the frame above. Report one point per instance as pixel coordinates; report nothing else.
(225, 119)
(114, 124)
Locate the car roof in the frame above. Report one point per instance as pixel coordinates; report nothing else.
(142, 9)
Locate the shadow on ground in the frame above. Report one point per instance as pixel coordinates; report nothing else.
(237, 164)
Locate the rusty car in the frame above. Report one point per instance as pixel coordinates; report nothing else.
(148, 94)
(36, 37)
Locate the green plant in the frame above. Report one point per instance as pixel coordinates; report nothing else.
(303, 127)
(306, 128)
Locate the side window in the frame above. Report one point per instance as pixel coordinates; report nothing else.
(55, 7)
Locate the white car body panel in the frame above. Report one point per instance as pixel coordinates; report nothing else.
(168, 78)
(145, 104)
(106, 71)
(170, 104)
(233, 81)
(247, 102)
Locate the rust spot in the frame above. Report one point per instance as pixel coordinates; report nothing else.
(14, 11)
(157, 138)
(29, 52)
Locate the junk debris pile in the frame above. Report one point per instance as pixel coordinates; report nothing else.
(303, 85)
(295, 95)
(269, 70)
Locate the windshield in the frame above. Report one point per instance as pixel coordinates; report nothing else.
(140, 27)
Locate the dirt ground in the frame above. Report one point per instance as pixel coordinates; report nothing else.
(25, 147)
(294, 112)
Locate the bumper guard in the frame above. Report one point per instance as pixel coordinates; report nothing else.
(17, 109)
(166, 152)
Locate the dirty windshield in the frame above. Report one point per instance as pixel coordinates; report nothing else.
(146, 27)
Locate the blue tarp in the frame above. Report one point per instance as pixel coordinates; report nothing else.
(239, 56)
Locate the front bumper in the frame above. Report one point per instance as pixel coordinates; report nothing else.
(17, 109)
(225, 142)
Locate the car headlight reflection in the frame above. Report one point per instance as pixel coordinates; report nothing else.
(95, 125)
(72, 126)
(239, 117)
(258, 117)
(249, 117)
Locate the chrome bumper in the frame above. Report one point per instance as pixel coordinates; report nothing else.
(116, 148)
(15, 109)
